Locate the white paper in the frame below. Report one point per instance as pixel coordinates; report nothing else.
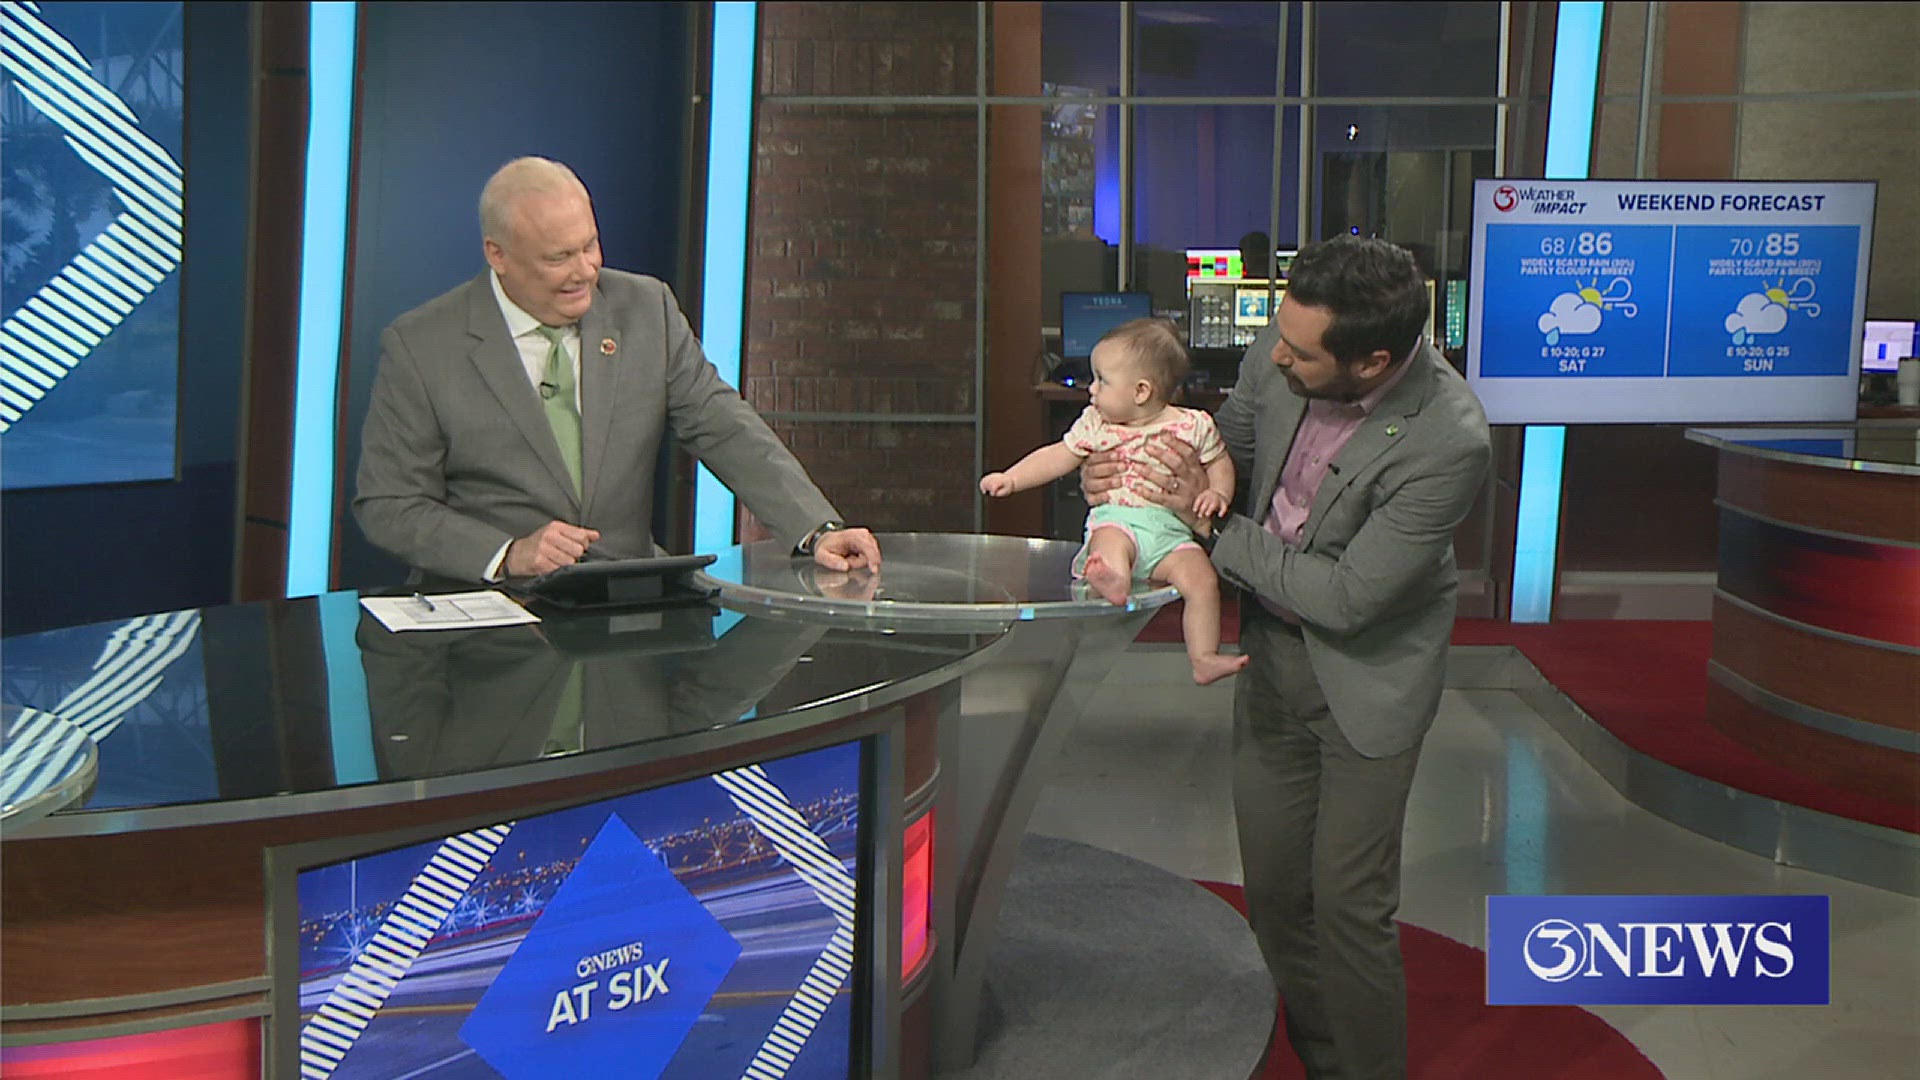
(447, 611)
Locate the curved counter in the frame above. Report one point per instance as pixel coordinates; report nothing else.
(1013, 712)
(1816, 621)
(242, 749)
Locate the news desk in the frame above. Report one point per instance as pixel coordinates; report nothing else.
(1816, 617)
(239, 746)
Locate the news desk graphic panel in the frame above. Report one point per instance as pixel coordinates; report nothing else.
(705, 929)
(93, 221)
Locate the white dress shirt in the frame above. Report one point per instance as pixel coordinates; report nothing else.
(533, 345)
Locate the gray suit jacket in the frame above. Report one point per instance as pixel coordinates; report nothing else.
(457, 457)
(1374, 580)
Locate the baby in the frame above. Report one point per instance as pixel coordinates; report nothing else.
(1135, 370)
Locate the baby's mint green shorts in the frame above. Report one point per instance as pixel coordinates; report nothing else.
(1156, 531)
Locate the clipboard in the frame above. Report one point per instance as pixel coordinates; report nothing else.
(625, 584)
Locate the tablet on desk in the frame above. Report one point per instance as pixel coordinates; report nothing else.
(659, 581)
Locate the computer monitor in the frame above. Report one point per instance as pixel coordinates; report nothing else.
(1214, 263)
(1250, 306)
(1085, 318)
(1886, 341)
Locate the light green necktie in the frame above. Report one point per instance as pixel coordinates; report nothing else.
(566, 734)
(556, 396)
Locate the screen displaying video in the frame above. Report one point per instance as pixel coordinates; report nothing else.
(698, 930)
(93, 205)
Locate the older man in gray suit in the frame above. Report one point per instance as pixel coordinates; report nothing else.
(1362, 451)
(515, 420)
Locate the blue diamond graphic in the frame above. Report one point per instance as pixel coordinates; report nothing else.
(612, 975)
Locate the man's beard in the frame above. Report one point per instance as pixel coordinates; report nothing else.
(1344, 389)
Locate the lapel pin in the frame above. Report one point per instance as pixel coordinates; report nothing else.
(606, 346)
(1393, 429)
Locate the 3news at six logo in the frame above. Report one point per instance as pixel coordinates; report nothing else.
(1657, 950)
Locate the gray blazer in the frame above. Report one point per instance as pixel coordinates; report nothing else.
(1374, 580)
(457, 457)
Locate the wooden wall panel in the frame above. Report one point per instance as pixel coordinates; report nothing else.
(1860, 682)
(1014, 415)
(272, 298)
(1701, 55)
(1879, 506)
(1877, 771)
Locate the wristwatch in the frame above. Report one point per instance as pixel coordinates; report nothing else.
(805, 546)
(1213, 536)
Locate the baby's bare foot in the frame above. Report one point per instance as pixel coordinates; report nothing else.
(1216, 666)
(1107, 580)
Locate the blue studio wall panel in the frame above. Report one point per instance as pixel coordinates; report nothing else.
(68, 553)
(450, 92)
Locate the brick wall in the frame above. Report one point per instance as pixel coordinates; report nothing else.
(861, 292)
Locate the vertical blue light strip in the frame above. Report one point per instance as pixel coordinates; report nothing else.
(323, 264)
(723, 296)
(349, 722)
(1576, 82)
(1537, 532)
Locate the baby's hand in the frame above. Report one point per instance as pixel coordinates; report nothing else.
(996, 483)
(1210, 504)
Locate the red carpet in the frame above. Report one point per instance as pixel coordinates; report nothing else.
(1644, 681)
(1453, 1035)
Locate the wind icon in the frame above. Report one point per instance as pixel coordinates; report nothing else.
(1617, 297)
(1799, 299)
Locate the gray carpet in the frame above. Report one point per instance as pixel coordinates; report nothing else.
(1108, 967)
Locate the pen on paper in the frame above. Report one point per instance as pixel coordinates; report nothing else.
(428, 604)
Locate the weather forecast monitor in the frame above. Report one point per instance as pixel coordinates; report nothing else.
(699, 930)
(1608, 301)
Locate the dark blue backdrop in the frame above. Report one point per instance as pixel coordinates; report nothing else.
(450, 92)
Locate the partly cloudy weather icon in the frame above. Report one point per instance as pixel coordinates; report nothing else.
(1579, 312)
(1570, 314)
(1766, 312)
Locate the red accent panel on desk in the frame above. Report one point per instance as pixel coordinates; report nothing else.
(228, 1050)
(916, 892)
(1855, 587)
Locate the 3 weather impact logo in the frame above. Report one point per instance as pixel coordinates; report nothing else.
(1540, 200)
(1765, 312)
(1657, 950)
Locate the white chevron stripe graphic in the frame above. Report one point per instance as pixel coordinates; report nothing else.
(50, 334)
(130, 668)
(393, 948)
(38, 750)
(774, 814)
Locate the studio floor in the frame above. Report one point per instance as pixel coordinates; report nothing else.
(1502, 804)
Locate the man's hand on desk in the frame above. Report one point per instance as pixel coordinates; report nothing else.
(847, 549)
(548, 548)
